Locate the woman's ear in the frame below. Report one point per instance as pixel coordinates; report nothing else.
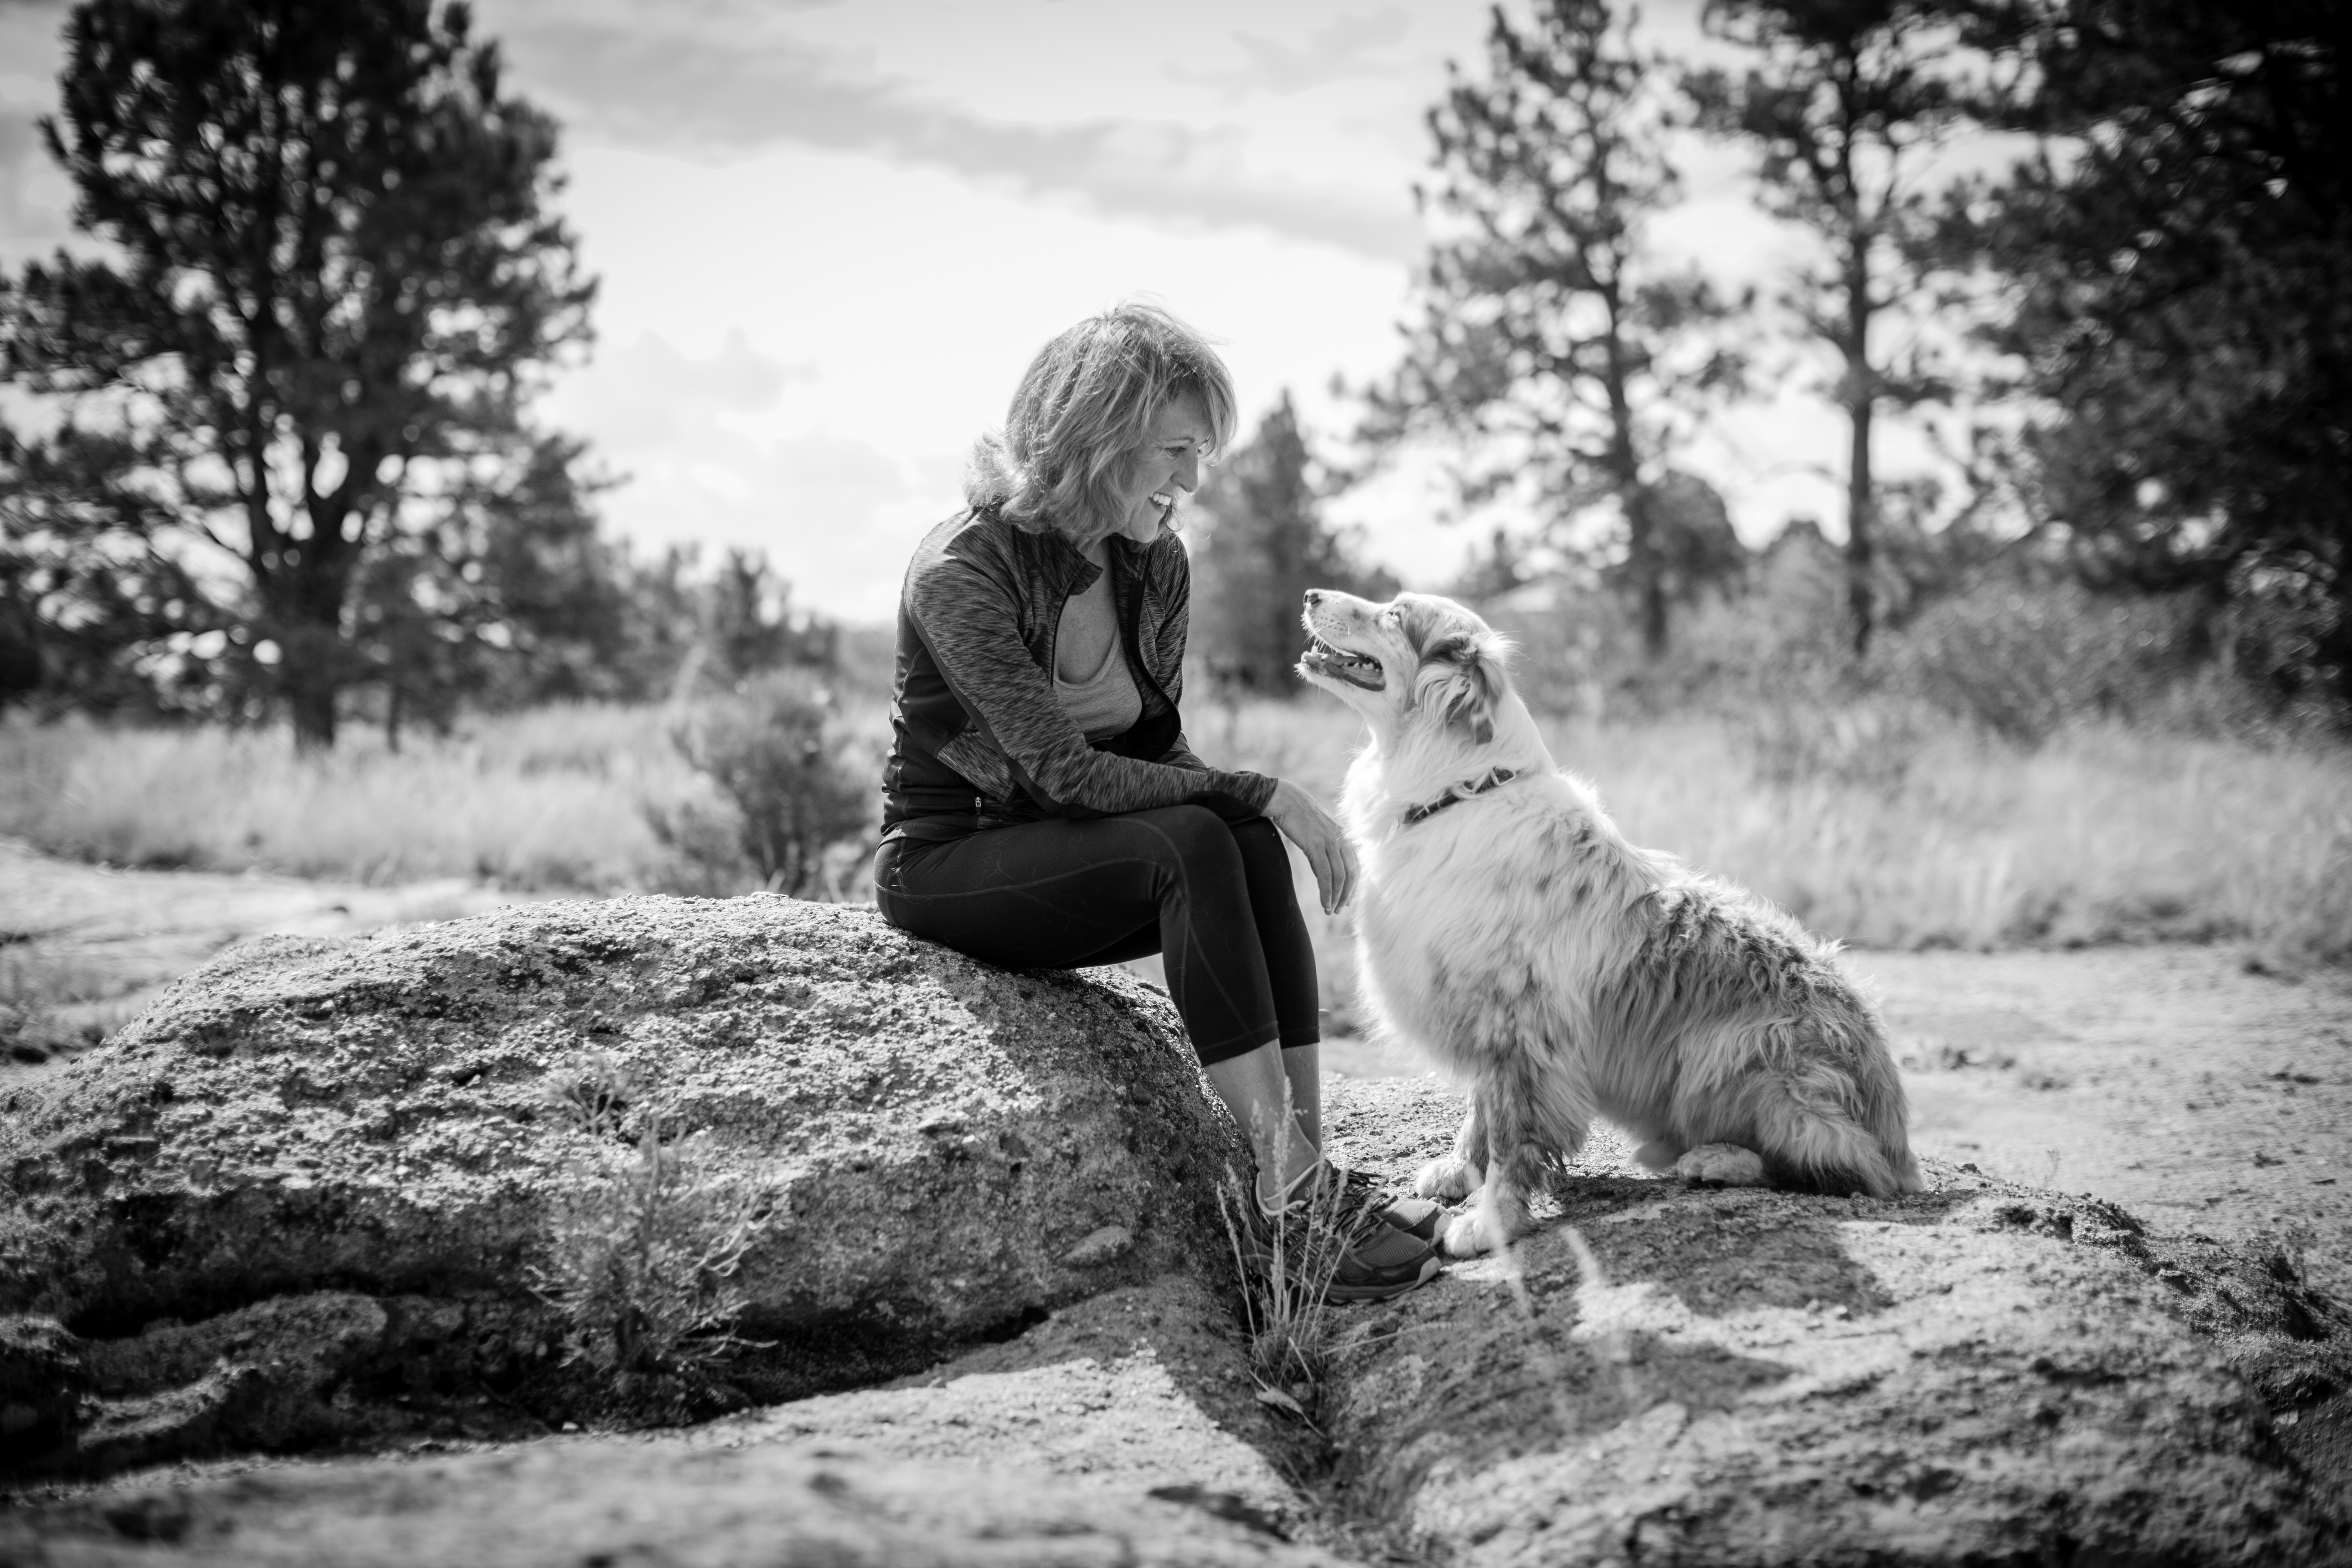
(1470, 680)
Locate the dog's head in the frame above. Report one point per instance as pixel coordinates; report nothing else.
(1416, 656)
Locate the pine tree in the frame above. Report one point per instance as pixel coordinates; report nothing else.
(1266, 545)
(332, 278)
(1846, 100)
(1549, 340)
(2182, 310)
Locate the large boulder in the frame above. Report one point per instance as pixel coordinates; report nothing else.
(1977, 1373)
(928, 1149)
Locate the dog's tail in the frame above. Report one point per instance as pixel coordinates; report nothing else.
(1820, 1129)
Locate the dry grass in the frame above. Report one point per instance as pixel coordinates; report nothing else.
(1883, 826)
(1886, 829)
(1287, 1320)
(547, 799)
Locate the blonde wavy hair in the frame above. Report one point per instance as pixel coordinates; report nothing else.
(1081, 416)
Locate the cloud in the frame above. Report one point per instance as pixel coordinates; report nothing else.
(680, 92)
(1340, 49)
(813, 502)
(649, 392)
(689, 435)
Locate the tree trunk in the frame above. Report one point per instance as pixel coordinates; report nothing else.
(1643, 560)
(1861, 503)
(309, 703)
(1649, 578)
(305, 618)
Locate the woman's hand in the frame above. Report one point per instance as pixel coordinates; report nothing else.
(1328, 854)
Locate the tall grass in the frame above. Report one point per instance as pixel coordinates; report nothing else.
(1882, 824)
(1889, 828)
(552, 798)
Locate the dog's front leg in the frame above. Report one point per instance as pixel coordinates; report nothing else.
(1456, 1176)
(1518, 1148)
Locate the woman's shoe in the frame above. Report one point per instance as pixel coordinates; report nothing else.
(1377, 1258)
(1417, 1217)
(1381, 1263)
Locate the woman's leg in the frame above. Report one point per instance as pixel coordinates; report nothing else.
(1256, 1091)
(1291, 968)
(1302, 1067)
(1064, 894)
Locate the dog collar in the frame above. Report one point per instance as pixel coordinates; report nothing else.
(1457, 792)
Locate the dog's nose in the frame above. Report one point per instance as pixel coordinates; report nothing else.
(1313, 595)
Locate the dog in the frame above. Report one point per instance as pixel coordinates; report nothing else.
(1508, 930)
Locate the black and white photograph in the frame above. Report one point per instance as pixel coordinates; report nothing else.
(1308, 784)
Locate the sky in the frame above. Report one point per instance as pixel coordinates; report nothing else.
(831, 233)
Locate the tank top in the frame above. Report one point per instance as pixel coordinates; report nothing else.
(1105, 702)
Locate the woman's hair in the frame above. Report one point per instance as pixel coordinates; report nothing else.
(1083, 412)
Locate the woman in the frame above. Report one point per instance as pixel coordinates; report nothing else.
(1042, 809)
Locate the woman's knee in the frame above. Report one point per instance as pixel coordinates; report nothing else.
(1263, 858)
(1259, 841)
(1199, 839)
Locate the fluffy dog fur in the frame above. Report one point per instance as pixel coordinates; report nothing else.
(1562, 973)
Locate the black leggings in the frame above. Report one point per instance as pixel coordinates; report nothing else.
(1215, 897)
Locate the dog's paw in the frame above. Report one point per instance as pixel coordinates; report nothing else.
(1722, 1165)
(1448, 1180)
(1465, 1237)
(1658, 1154)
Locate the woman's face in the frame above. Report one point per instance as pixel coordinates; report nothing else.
(1167, 469)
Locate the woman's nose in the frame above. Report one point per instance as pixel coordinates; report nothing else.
(1188, 470)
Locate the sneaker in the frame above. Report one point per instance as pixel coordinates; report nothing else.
(1417, 1217)
(1383, 1263)
(1377, 1260)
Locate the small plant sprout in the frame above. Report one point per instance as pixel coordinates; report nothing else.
(1286, 1262)
(640, 1253)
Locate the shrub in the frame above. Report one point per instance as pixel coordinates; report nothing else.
(2022, 658)
(791, 770)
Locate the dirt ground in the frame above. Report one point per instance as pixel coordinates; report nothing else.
(2199, 1093)
(88, 946)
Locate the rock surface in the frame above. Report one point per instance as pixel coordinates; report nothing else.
(562, 1503)
(1113, 1434)
(1976, 1373)
(44, 1381)
(1146, 1386)
(317, 1175)
(946, 1148)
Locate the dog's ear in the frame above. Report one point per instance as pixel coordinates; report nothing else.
(1470, 680)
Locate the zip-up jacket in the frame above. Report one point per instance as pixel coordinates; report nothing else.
(978, 738)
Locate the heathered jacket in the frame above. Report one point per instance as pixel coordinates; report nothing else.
(979, 739)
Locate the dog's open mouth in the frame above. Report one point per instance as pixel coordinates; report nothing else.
(1355, 668)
